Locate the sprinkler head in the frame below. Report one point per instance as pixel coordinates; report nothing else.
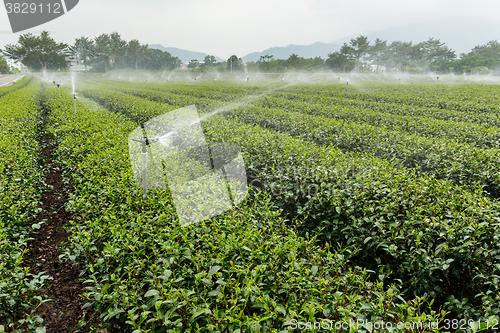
(58, 85)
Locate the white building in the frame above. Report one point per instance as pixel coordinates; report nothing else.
(72, 62)
(380, 68)
(14, 64)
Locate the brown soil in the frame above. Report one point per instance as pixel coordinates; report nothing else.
(63, 313)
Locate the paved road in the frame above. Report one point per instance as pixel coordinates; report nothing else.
(5, 79)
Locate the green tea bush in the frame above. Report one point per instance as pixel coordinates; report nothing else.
(434, 236)
(21, 186)
(468, 98)
(15, 86)
(443, 158)
(246, 270)
(480, 130)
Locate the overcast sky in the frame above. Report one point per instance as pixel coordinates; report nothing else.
(223, 27)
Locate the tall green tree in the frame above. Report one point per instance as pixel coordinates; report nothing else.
(83, 49)
(136, 50)
(193, 64)
(359, 47)
(295, 62)
(234, 63)
(103, 49)
(155, 59)
(399, 53)
(31, 49)
(118, 47)
(487, 55)
(488, 50)
(266, 57)
(436, 50)
(210, 61)
(252, 67)
(314, 64)
(273, 66)
(378, 51)
(342, 60)
(4, 67)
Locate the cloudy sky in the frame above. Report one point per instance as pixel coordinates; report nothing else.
(221, 27)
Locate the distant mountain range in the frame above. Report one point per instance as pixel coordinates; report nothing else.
(460, 35)
(306, 51)
(184, 55)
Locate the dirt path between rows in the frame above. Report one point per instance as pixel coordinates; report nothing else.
(63, 313)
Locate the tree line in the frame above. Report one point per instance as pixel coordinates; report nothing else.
(210, 63)
(44, 53)
(4, 67)
(360, 55)
(430, 55)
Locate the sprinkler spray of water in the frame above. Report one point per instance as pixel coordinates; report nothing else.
(204, 180)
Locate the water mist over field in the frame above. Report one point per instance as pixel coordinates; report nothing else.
(302, 77)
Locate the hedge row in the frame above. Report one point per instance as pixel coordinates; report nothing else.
(462, 128)
(444, 158)
(201, 90)
(15, 86)
(429, 233)
(459, 128)
(21, 187)
(339, 101)
(246, 270)
(440, 240)
(470, 98)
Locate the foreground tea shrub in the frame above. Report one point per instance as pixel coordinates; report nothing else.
(21, 186)
(16, 85)
(439, 239)
(246, 270)
(444, 158)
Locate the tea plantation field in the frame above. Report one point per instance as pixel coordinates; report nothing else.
(379, 207)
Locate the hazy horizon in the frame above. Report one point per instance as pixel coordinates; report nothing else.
(222, 27)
